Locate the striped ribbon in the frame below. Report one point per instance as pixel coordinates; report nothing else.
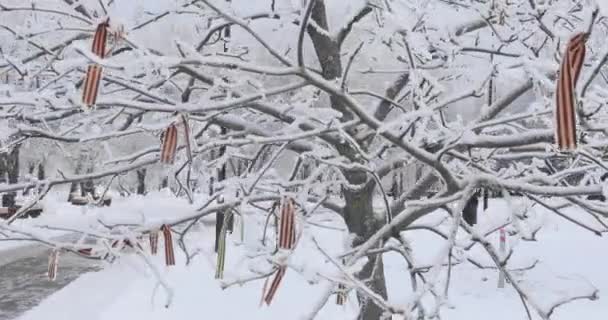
(169, 254)
(125, 243)
(53, 261)
(264, 290)
(153, 242)
(169, 145)
(274, 286)
(287, 240)
(86, 251)
(93, 77)
(221, 248)
(565, 115)
(287, 230)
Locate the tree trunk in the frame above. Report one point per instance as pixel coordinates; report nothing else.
(74, 185)
(11, 172)
(469, 213)
(13, 165)
(88, 186)
(141, 181)
(41, 175)
(358, 212)
(30, 170)
(361, 220)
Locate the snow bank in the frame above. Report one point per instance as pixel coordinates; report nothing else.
(568, 261)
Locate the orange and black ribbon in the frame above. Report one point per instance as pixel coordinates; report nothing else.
(93, 77)
(274, 286)
(169, 254)
(287, 230)
(125, 243)
(287, 240)
(565, 112)
(169, 145)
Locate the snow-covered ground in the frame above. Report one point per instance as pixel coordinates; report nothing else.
(571, 262)
(56, 211)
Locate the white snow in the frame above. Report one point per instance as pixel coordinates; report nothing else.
(570, 262)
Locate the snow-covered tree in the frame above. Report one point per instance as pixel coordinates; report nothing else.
(318, 96)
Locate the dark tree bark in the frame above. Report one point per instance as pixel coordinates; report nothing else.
(219, 216)
(10, 173)
(401, 182)
(211, 186)
(361, 220)
(469, 213)
(41, 172)
(141, 181)
(221, 176)
(328, 52)
(74, 185)
(485, 198)
(13, 165)
(394, 191)
(41, 175)
(88, 186)
(79, 8)
(358, 212)
(31, 168)
(30, 171)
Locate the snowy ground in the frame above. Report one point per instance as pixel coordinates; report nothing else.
(24, 283)
(571, 262)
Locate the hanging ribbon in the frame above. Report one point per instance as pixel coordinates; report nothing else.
(124, 244)
(93, 77)
(219, 226)
(264, 290)
(53, 261)
(169, 145)
(274, 286)
(287, 240)
(169, 253)
(86, 251)
(565, 112)
(221, 247)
